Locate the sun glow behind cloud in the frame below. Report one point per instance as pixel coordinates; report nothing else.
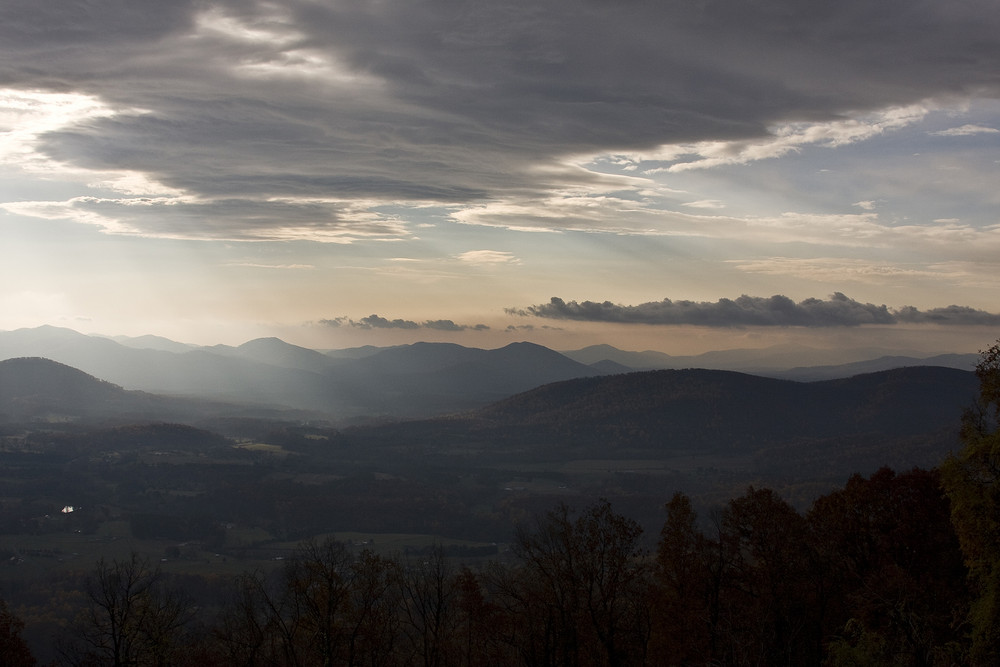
(132, 201)
(270, 45)
(27, 115)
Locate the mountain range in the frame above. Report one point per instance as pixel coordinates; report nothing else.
(693, 426)
(792, 362)
(407, 381)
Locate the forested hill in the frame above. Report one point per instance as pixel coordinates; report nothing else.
(30, 387)
(721, 409)
(33, 389)
(759, 426)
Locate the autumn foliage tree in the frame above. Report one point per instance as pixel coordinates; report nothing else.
(972, 482)
(770, 586)
(871, 575)
(745, 594)
(893, 572)
(687, 579)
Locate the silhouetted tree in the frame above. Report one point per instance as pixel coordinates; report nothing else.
(326, 607)
(317, 581)
(14, 651)
(372, 615)
(250, 629)
(132, 618)
(768, 610)
(895, 581)
(686, 589)
(481, 624)
(581, 593)
(971, 478)
(428, 609)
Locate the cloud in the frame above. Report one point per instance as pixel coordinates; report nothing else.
(948, 315)
(949, 239)
(258, 265)
(237, 106)
(448, 325)
(705, 203)
(836, 311)
(966, 131)
(236, 220)
(842, 269)
(487, 257)
(780, 140)
(376, 322)
(527, 328)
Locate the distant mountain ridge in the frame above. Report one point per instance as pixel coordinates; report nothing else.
(814, 373)
(404, 381)
(794, 362)
(277, 352)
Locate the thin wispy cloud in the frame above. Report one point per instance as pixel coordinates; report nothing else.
(966, 131)
(844, 269)
(487, 257)
(282, 267)
(779, 141)
(705, 203)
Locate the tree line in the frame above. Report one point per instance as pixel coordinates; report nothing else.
(871, 574)
(891, 569)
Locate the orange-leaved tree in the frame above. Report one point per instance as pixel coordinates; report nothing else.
(971, 478)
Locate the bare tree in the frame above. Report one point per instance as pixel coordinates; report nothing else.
(251, 629)
(317, 580)
(581, 593)
(372, 615)
(132, 618)
(428, 608)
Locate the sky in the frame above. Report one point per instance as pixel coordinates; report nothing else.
(677, 176)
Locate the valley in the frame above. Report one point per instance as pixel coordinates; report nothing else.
(213, 486)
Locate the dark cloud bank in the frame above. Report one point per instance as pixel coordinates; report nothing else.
(287, 100)
(837, 311)
(376, 322)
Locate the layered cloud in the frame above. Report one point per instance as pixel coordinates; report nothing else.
(745, 311)
(295, 119)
